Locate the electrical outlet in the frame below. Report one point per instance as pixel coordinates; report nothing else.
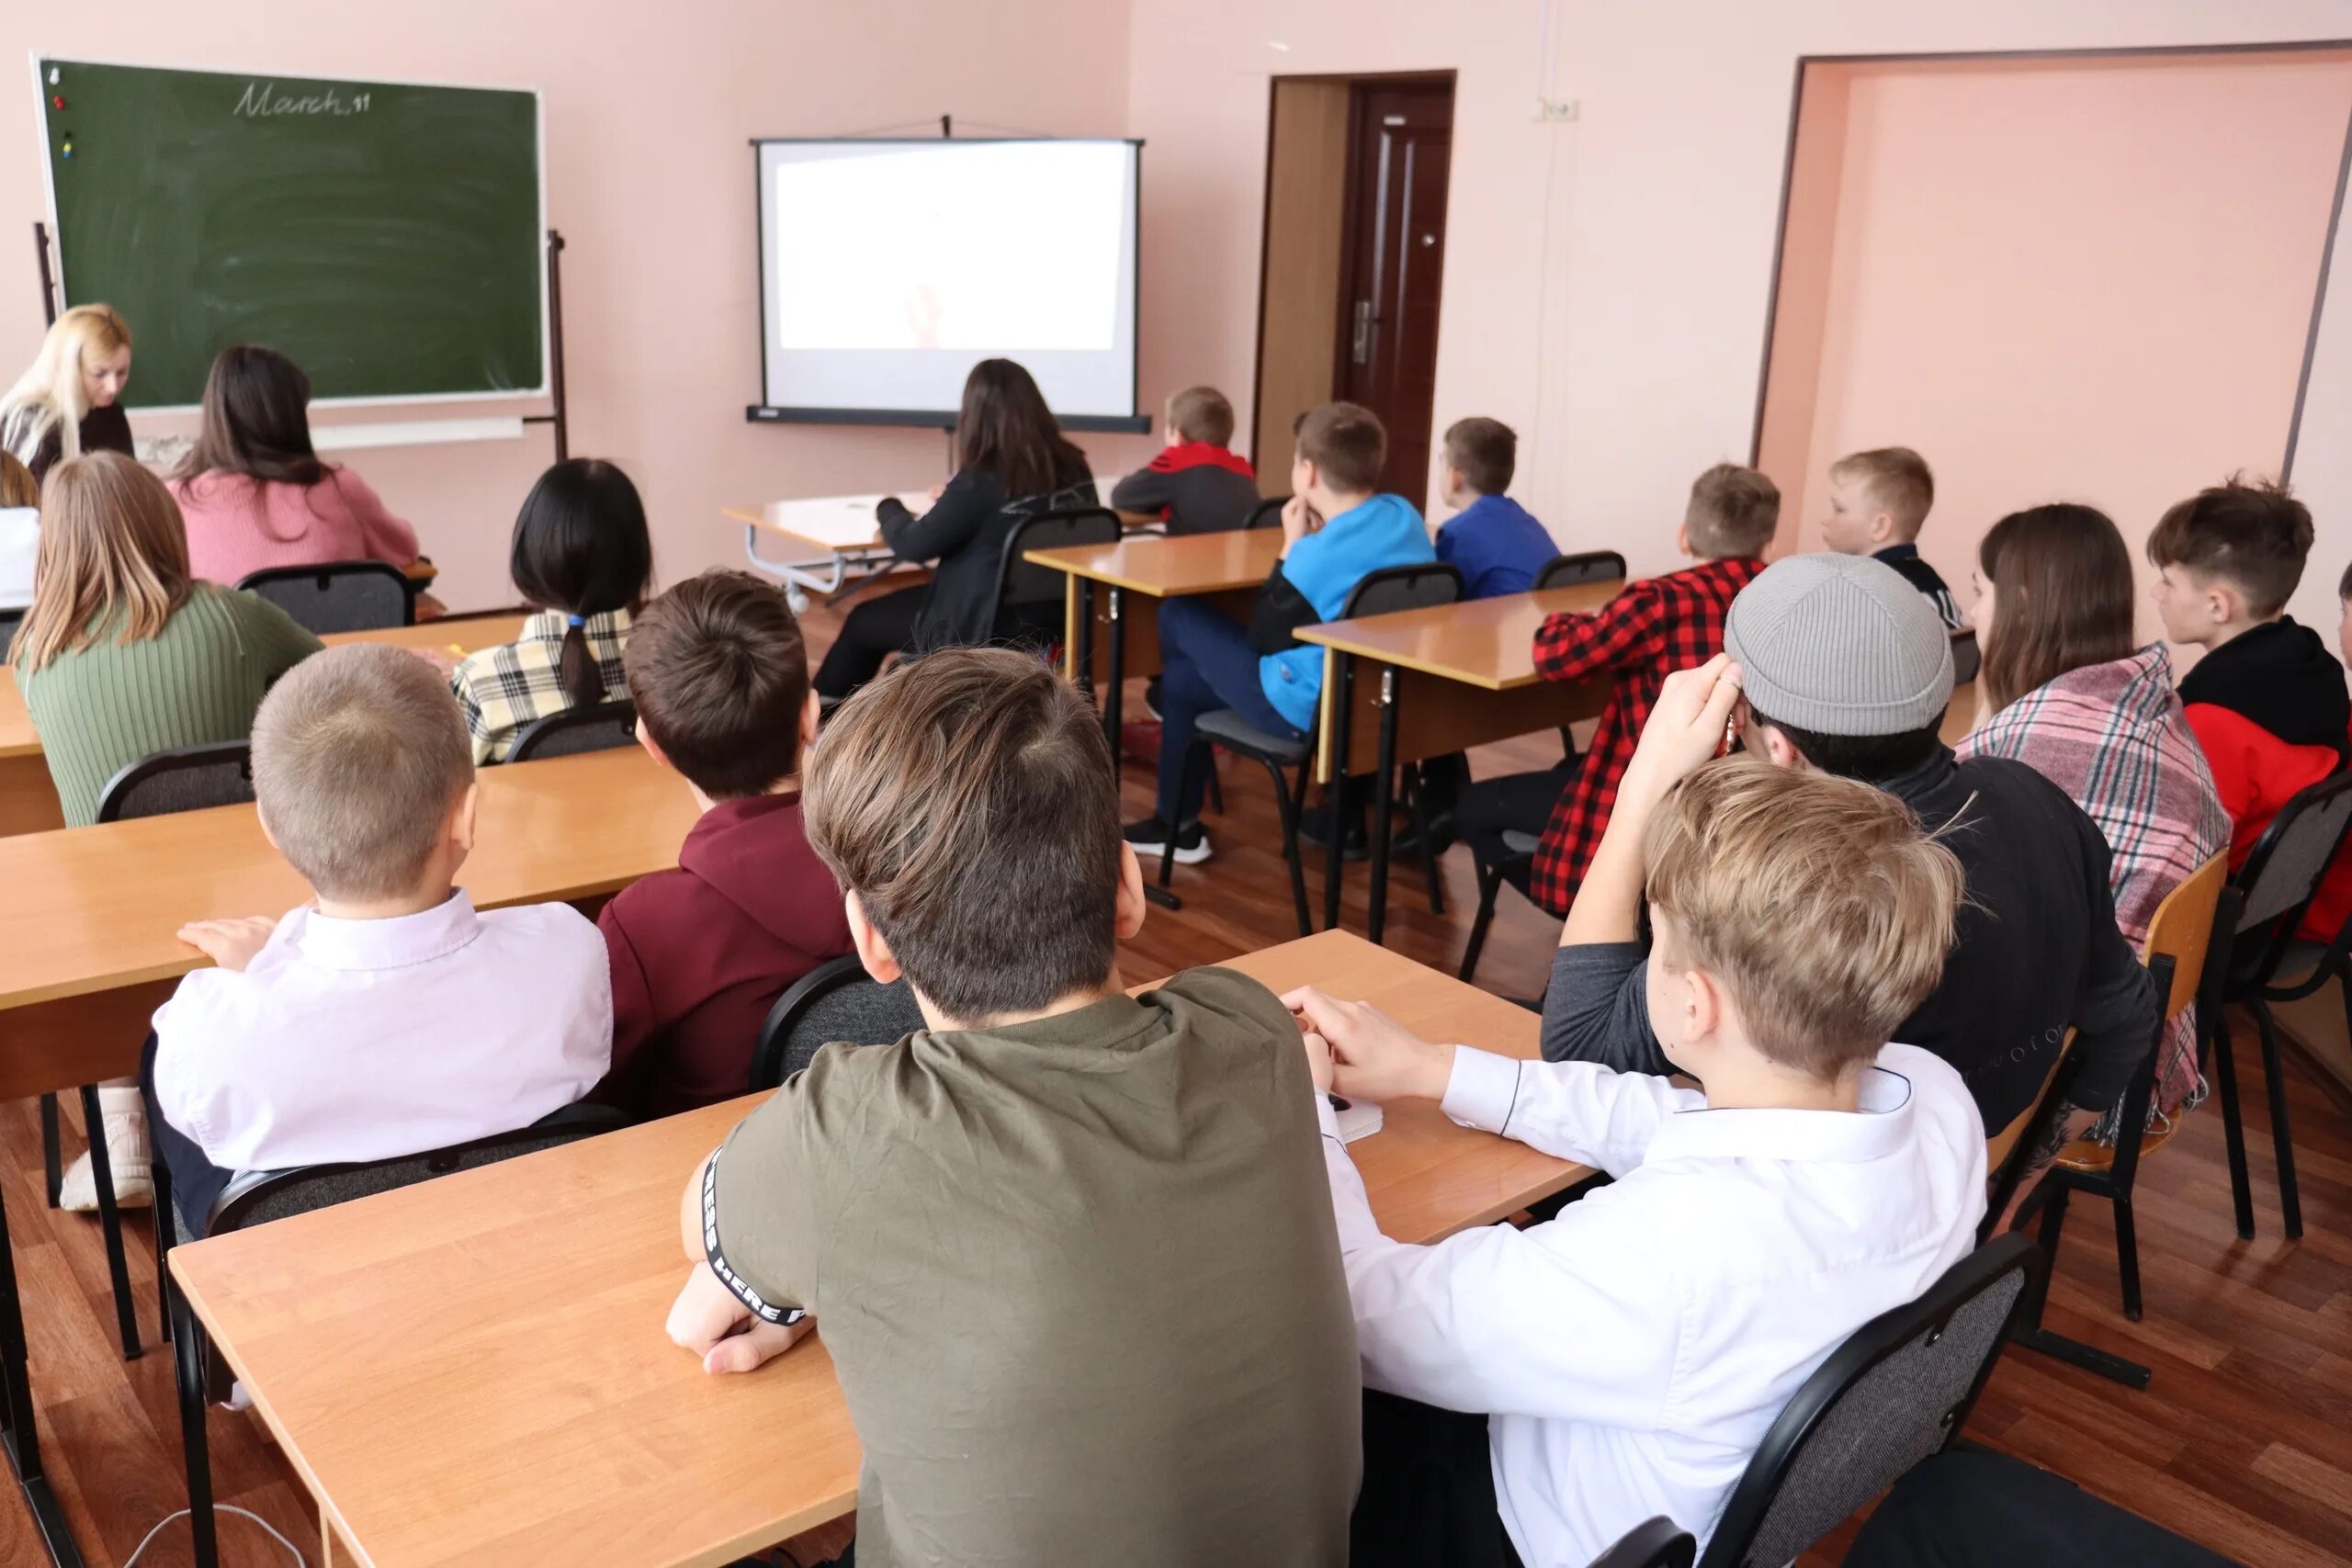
(1552, 110)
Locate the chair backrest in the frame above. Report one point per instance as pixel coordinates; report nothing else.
(1397, 588)
(1581, 566)
(599, 726)
(1267, 514)
(2008, 1151)
(1025, 582)
(9, 621)
(2285, 866)
(2182, 929)
(341, 596)
(1897, 1391)
(186, 778)
(836, 1000)
(1965, 656)
(1653, 1543)
(257, 1197)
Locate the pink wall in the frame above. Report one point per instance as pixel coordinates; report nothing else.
(2089, 281)
(1606, 279)
(648, 110)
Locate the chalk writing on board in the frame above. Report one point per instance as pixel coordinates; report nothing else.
(262, 100)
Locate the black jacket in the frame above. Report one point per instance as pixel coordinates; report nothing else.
(964, 532)
(2038, 950)
(1202, 499)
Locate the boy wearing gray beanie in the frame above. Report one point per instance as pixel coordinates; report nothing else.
(1845, 669)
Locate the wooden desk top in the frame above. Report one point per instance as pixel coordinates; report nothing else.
(17, 738)
(1479, 642)
(832, 522)
(1170, 568)
(95, 909)
(473, 1372)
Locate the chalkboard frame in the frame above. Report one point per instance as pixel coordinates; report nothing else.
(548, 386)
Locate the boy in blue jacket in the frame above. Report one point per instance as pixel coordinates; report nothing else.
(1494, 542)
(1336, 530)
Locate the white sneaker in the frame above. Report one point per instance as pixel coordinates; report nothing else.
(125, 1127)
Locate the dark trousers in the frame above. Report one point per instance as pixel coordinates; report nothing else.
(1205, 664)
(875, 628)
(196, 1182)
(1429, 1490)
(1516, 801)
(1970, 1508)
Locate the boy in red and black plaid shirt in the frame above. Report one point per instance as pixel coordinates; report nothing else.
(1656, 626)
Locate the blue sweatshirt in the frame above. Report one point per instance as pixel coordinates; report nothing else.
(1497, 545)
(1325, 568)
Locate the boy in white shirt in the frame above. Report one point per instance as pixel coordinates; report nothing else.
(1624, 1359)
(385, 1017)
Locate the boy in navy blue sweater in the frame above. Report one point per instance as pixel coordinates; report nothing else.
(1492, 540)
(1336, 530)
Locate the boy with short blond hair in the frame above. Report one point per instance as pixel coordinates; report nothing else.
(1198, 482)
(720, 675)
(1491, 539)
(1071, 1248)
(1653, 627)
(385, 1017)
(2268, 700)
(1879, 501)
(1540, 1391)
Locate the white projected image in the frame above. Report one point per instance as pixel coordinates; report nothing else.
(996, 247)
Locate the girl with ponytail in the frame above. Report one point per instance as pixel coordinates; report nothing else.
(584, 561)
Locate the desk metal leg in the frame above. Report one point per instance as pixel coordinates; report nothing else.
(110, 1221)
(798, 577)
(1081, 658)
(188, 1344)
(1335, 793)
(20, 1433)
(1116, 678)
(1383, 803)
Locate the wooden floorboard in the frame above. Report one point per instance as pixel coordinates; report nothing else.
(2242, 1442)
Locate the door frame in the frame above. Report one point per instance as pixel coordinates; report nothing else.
(1354, 80)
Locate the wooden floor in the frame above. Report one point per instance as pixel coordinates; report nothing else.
(2244, 1443)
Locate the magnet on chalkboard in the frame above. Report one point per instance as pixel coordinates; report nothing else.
(57, 101)
(53, 76)
(68, 148)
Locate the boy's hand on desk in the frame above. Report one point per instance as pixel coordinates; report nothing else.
(228, 943)
(1373, 1057)
(709, 1321)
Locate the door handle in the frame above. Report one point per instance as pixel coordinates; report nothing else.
(1361, 349)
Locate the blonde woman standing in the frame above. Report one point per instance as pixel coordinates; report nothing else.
(69, 403)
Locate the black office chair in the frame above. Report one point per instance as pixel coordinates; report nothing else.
(254, 1198)
(341, 596)
(1898, 1391)
(1580, 565)
(9, 621)
(1267, 514)
(835, 1001)
(1653, 1543)
(2274, 886)
(1965, 656)
(1381, 593)
(599, 726)
(186, 778)
(1031, 599)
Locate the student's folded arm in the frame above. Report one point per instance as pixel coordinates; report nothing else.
(1533, 1322)
(954, 520)
(1280, 611)
(2116, 1010)
(757, 1228)
(385, 536)
(1598, 1008)
(1576, 1110)
(1569, 646)
(1146, 490)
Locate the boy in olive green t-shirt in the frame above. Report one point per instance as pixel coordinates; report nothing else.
(1073, 1250)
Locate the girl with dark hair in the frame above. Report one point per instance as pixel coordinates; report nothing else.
(2069, 694)
(1011, 462)
(582, 559)
(254, 493)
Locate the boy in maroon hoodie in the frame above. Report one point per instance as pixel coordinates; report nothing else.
(1198, 482)
(721, 679)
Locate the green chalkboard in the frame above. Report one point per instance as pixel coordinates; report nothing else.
(385, 236)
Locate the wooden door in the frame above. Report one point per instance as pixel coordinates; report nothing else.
(1393, 263)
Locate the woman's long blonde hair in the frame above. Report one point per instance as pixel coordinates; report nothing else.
(112, 544)
(52, 386)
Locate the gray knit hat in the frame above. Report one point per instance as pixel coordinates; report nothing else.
(1839, 645)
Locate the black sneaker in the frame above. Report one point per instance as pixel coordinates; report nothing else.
(1150, 835)
(1315, 831)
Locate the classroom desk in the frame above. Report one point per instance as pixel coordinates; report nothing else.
(28, 798)
(1420, 683)
(1227, 568)
(473, 1371)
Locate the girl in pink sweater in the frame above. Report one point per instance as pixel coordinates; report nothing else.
(255, 493)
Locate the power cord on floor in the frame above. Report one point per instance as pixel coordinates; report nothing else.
(141, 1550)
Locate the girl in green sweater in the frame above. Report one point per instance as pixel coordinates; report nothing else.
(121, 655)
